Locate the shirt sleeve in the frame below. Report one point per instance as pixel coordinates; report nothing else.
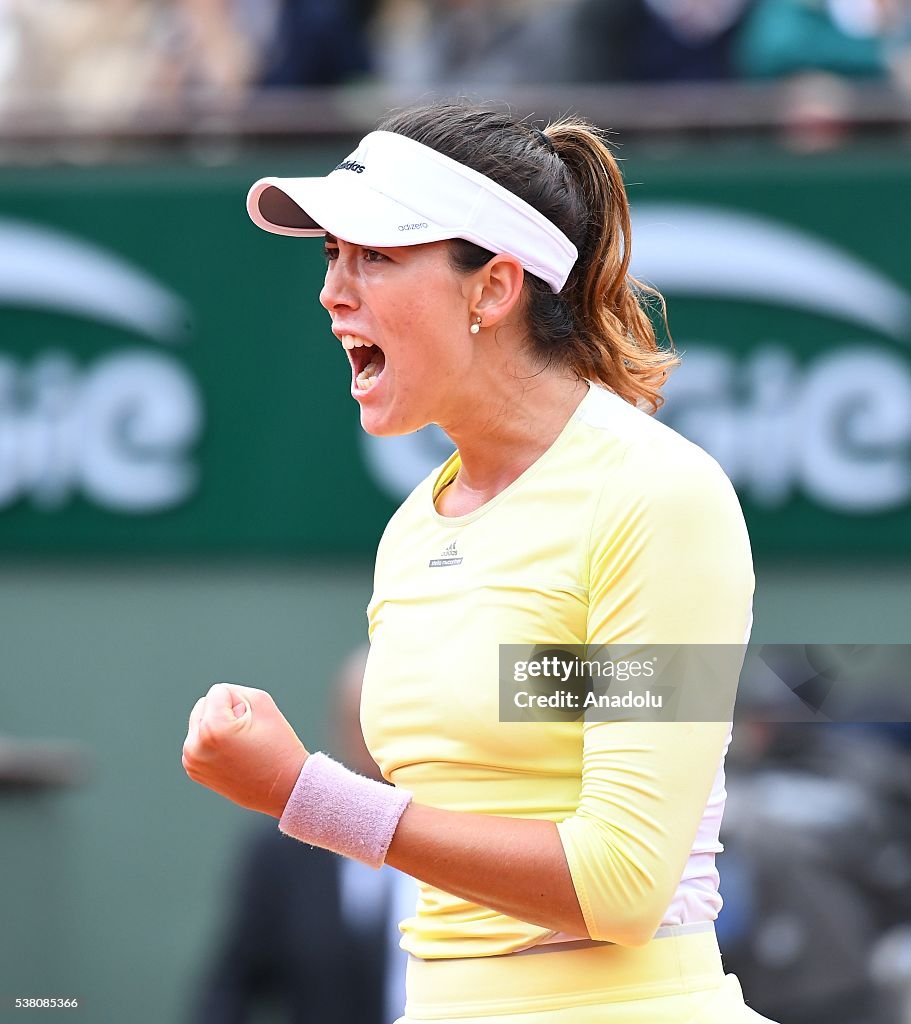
(669, 563)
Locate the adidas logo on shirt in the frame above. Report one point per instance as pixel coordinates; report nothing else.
(448, 556)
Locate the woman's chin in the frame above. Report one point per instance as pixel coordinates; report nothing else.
(377, 423)
(384, 423)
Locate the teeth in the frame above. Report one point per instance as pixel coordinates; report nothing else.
(367, 377)
(351, 341)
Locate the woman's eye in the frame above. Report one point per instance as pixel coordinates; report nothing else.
(372, 256)
(330, 254)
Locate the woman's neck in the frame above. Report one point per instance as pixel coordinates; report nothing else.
(504, 438)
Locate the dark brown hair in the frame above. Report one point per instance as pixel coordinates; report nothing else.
(598, 325)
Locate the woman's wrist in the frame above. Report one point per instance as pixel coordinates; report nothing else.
(339, 810)
(285, 780)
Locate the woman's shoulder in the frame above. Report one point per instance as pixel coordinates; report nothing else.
(654, 455)
(666, 505)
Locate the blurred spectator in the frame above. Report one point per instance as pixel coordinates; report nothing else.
(317, 42)
(212, 47)
(862, 38)
(818, 45)
(460, 44)
(118, 57)
(656, 40)
(816, 112)
(311, 935)
(816, 874)
(77, 54)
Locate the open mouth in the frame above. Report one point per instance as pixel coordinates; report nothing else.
(367, 361)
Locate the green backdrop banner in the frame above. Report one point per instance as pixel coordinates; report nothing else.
(168, 382)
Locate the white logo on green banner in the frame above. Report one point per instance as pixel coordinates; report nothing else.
(117, 431)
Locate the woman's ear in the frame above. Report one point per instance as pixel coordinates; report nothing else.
(498, 288)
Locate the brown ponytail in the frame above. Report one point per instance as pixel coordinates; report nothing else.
(614, 342)
(597, 326)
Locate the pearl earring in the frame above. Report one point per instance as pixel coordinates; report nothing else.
(475, 327)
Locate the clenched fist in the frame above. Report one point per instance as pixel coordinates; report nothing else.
(240, 745)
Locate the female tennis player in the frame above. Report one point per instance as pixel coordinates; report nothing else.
(477, 278)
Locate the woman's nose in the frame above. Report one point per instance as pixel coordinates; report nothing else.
(338, 288)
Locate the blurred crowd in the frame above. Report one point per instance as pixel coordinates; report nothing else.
(122, 56)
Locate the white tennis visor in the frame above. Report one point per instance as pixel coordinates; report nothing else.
(394, 191)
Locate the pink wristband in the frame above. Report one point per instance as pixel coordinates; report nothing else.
(344, 812)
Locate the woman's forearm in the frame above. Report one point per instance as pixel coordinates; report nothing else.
(512, 865)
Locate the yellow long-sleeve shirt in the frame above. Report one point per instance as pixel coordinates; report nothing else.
(622, 532)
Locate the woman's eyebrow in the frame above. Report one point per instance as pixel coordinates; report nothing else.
(331, 239)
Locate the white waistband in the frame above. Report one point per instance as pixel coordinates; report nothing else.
(562, 941)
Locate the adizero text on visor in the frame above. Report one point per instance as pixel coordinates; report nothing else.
(394, 191)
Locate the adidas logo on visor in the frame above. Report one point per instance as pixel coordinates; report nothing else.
(350, 165)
